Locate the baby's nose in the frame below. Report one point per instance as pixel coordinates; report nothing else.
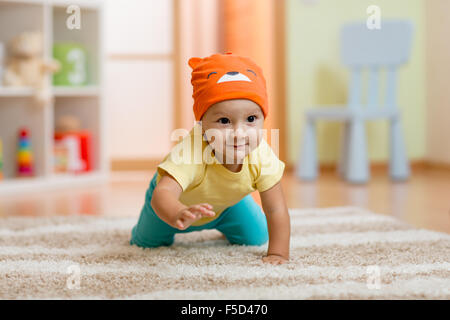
(239, 134)
(232, 73)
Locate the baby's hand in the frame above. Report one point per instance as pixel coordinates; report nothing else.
(192, 213)
(274, 259)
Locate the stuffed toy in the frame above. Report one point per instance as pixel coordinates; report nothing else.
(68, 123)
(25, 66)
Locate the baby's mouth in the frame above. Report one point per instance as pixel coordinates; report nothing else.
(238, 146)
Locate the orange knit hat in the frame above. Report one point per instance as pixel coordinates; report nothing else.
(223, 77)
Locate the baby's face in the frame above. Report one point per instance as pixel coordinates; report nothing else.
(233, 128)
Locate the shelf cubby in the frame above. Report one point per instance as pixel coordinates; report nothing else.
(17, 113)
(88, 36)
(20, 16)
(87, 111)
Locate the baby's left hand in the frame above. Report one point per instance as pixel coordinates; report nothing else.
(274, 259)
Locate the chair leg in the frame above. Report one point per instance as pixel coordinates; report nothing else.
(398, 162)
(343, 159)
(358, 168)
(307, 167)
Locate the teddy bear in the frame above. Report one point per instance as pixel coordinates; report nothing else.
(25, 66)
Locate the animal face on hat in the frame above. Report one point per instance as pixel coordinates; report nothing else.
(223, 77)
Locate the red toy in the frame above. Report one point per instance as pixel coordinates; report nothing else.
(24, 155)
(77, 146)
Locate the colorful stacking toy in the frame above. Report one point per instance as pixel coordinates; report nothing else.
(24, 155)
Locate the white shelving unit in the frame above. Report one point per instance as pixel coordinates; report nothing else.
(84, 102)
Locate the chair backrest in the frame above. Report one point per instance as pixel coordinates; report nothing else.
(375, 49)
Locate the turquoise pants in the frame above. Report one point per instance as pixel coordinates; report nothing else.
(243, 223)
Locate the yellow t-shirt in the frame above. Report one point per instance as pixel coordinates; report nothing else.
(204, 179)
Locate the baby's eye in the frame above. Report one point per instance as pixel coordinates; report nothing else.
(251, 118)
(224, 120)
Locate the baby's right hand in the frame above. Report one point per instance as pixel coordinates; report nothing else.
(187, 216)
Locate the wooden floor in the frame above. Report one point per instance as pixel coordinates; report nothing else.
(423, 201)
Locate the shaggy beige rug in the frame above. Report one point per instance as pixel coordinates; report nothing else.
(336, 253)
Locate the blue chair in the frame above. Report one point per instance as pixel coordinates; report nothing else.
(363, 49)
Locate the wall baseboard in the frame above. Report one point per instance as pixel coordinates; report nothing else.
(437, 165)
(135, 164)
(415, 165)
(151, 164)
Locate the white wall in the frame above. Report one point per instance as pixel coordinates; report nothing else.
(438, 64)
(140, 92)
(199, 31)
(139, 87)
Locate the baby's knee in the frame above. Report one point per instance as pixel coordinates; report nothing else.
(149, 243)
(255, 242)
(250, 239)
(152, 244)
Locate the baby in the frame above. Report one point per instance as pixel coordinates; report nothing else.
(206, 180)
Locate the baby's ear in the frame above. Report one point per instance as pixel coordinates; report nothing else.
(193, 62)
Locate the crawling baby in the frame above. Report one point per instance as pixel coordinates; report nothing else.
(206, 181)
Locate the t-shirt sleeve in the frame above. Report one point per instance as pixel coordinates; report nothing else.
(270, 168)
(181, 164)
